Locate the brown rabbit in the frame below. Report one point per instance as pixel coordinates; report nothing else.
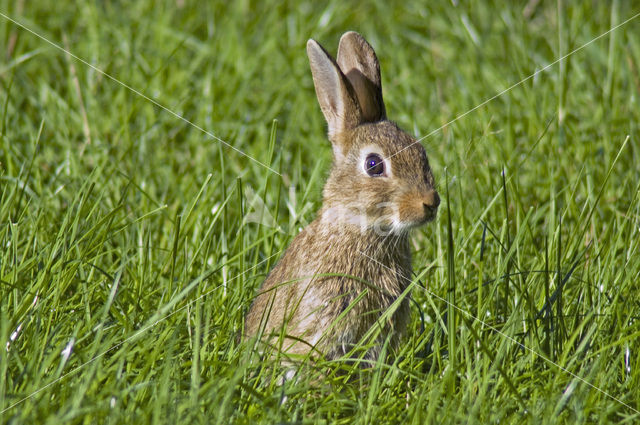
(348, 267)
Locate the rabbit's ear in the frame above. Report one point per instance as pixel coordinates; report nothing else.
(359, 63)
(335, 94)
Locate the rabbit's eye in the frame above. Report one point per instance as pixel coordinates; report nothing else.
(374, 165)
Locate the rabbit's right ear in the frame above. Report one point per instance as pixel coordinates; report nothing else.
(359, 63)
(335, 94)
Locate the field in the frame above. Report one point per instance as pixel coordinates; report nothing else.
(156, 158)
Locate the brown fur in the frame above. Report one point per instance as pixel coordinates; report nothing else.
(358, 246)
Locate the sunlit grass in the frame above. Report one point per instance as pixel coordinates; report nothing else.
(130, 248)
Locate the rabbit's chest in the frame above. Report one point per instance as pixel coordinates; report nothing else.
(343, 299)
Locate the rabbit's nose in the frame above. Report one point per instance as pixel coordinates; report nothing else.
(431, 200)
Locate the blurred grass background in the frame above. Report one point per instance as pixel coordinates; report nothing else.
(127, 260)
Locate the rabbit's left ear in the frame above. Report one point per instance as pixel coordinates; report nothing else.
(335, 94)
(357, 60)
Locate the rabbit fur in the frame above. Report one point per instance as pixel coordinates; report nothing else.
(346, 268)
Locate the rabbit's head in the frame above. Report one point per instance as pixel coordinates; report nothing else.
(381, 178)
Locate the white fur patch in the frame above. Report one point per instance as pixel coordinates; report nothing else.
(313, 323)
(346, 215)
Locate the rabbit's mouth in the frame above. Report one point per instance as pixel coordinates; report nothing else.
(429, 214)
(430, 210)
(403, 226)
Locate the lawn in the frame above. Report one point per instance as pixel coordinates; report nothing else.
(156, 159)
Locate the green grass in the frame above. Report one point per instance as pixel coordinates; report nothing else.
(124, 239)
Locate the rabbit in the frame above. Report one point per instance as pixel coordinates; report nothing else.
(346, 268)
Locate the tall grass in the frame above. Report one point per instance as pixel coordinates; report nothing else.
(132, 242)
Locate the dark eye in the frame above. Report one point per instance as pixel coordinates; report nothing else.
(374, 165)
